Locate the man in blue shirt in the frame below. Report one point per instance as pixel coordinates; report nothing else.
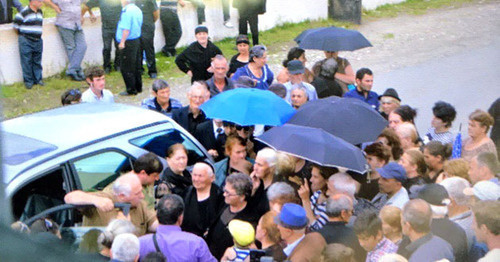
(128, 35)
(364, 83)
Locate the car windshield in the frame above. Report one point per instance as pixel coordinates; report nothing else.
(18, 149)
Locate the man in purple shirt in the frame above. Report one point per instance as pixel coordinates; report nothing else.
(169, 238)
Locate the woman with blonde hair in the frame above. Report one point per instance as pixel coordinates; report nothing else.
(478, 141)
(391, 223)
(456, 167)
(416, 169)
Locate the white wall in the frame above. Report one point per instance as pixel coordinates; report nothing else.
(54, 57)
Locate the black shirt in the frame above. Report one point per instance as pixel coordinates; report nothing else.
(110, 11)
(148, 7)
(368, 189)
(235, 64)
(177, 183)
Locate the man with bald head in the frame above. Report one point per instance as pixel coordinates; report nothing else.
(416, 223)
(190, 116)
(126, 188)
(203, 200)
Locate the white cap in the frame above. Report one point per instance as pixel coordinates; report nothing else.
(484, 190)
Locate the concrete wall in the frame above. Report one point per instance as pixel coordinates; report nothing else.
(54, 58)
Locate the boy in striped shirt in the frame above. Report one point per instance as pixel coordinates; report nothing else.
(28, 23)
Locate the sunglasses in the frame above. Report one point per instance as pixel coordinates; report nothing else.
(239, 128)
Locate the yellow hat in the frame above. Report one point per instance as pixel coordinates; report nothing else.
(242, 232)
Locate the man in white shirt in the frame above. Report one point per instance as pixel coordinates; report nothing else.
(392, 192)
(96, 78)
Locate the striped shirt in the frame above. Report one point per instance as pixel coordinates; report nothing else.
(319, 210)
(445, 137)
(29, 23)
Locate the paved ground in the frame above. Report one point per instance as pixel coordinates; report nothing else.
(404, 46)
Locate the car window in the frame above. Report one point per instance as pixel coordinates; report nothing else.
(98, 170)
(159, 142)
(46, 191)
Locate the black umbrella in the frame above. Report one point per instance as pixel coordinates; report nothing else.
(315, 145)
(332, 39)
(348, 118)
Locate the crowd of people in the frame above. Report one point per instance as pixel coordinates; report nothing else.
(425, 196)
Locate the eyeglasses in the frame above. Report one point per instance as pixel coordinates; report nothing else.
(239, 128)
(228, 193)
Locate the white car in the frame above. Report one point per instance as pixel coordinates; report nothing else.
(84, 146)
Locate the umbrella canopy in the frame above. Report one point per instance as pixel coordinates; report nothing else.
(332, 39)
(249, 106)
(348, 118)
(315, 145)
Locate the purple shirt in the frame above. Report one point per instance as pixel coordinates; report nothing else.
(385, 246)
(176, 245)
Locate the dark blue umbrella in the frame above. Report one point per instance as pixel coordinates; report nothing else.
(315, 145)
(348, 118)
(249, 106)
(332, 39)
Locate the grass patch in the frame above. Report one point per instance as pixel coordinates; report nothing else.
(17, 100)
(388, 36)
(414, 7)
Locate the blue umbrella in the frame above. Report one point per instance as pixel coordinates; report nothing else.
(249, 106)
(348, 118)
(332, 39)
(457, 145)
(315, 145)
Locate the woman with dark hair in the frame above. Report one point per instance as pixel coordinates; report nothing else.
(344, 74)
(435, 154)
(402, 114)
(257, 68)
(242, 58)
(237, 191)
(295, 53)
(478, 141)
(444, 114)
(176, 177)
(315, 205)
(390, 139)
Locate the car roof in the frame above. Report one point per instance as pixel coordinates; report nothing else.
(31, 136)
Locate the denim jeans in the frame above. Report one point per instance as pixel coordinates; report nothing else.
(31, 59)
(74, 42)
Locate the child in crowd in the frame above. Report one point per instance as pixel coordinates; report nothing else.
(368, 228)
(243, 236)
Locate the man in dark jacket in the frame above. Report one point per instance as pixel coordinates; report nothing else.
(339, 208)
(189, 117)
(196, 59)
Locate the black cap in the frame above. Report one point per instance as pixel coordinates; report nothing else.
(200, 28)
(434, 194)
(390, 92)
